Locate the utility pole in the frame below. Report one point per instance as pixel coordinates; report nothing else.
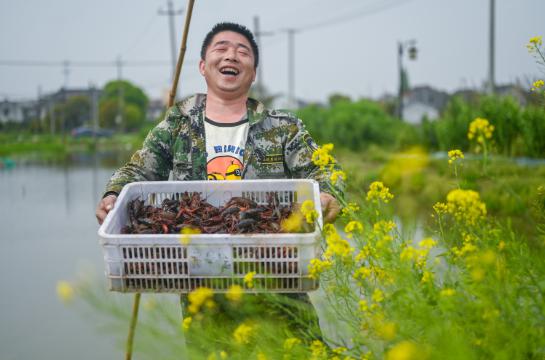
(66, 72)
(491, 66)
(120, 95)
(401, 45)
(170, 12)
(94, 111)
(258, 34)
(291, 68)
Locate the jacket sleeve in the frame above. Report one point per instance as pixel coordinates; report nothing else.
(298, 156)
(153, 162)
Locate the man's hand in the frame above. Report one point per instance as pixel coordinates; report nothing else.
(330, 207)
(104, 207)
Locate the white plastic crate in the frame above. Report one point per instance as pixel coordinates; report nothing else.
(161, 263)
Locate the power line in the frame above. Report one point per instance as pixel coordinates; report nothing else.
(141, 35)
(133, 63)
(354, 15)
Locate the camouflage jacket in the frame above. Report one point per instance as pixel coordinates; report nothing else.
(278, 146)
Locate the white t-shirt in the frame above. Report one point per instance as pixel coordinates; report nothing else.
(225, 143)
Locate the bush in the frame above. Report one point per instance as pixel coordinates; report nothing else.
(518, 131)
(356, 125)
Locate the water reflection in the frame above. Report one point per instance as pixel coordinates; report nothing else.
(48, 233)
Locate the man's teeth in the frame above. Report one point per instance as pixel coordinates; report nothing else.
(229, 71)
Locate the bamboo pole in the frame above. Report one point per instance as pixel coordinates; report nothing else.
(172, 96)
(134, 319)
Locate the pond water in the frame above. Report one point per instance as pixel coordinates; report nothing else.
(48, 233)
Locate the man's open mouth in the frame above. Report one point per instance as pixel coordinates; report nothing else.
(229, 71)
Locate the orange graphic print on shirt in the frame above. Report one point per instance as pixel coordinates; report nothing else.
(224, 168)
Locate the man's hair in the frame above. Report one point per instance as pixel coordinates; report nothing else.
(228, 26)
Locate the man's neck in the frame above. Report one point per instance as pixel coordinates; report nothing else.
(225, 110)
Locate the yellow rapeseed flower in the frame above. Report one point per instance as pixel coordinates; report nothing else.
(378, 296)
(453, 155)
(363, 306)
(186, 323)
(329, 229)
(538, 84)
(440, 208)
(404, 350)
(249, 279)
(378, 192)
(426, 277)
(234, 293)
(447, 292)
(536, 40)
(480, 129)
(338, 246)
(408, 253)
(321, 156)
(466, 206)
(477, 274)
(199, 297)
(212, 356)
(383, 227)
(427, 243)
(337, 175)
(243, 333)
(387, 330)
(364, 253)
(261, 356)
(362, 273)
(65, 291)
(488, 257)
(290, 343)
(317, 266)
(292, 223)
(186, 233)
(318, 350)
(309, 211)
(353, 226)
(340, 350)
(350, 208)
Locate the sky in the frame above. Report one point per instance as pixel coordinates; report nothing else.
(343, 46)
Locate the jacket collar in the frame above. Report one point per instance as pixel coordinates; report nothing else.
(195, 105)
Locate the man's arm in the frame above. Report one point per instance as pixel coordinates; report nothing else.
(152, 162)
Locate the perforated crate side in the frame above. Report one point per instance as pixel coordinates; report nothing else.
(159, 263)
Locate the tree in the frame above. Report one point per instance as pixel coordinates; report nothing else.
(135, 103)
(76, 111)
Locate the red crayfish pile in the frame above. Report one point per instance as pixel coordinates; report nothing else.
(238, 215)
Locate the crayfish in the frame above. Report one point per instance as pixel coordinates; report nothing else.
(189, 210)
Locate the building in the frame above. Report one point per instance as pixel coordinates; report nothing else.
(18, 111)
(423, 101)
(47, 103)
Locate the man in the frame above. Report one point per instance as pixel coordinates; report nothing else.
(224, 134)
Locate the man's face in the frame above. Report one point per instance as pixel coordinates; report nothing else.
(228, 65)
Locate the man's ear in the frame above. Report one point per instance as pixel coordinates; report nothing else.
(201, 67)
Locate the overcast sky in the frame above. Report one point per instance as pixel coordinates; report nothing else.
(345, 46)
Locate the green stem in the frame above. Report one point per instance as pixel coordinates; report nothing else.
(485, 155)
(540, 54)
